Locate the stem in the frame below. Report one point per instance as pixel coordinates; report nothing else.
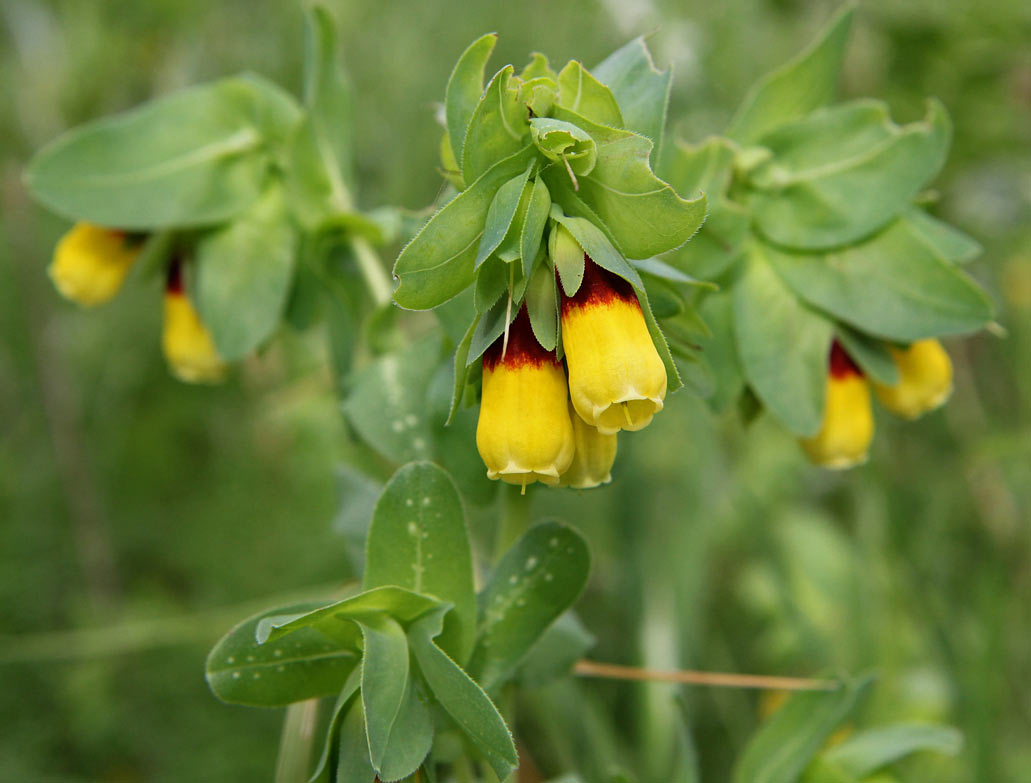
(372, 270)
(585, 668)
(463, 770)
(295, 743)
(515, 518)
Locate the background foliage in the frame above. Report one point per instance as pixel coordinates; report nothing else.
(171, 510)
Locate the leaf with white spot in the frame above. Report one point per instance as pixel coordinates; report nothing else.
(239, 670)
(418, 540)
(538, 579)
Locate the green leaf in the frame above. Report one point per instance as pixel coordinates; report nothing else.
(870, 354)
(892, 286)
(783, 345)
(401, 604)
(498, 128)
(418, 540)
(947, 242)
(533, 225)
(192, 158)
(797, 87)
(538, 67)
(491, 283)
(707, 166)
(568, 257)
(500, 215)
(542, 306)
(387, 404)
(462, 699)
(465, 88)
(330, 755)
(241, 671)
(719, 349)
(641, 89)
(782, 747)
(438, 263)
(489, 328)
(538, 579)
(837, 201)
(659, 268)
(643, 215)
(461, 368)
(564, 142)
(397, 724)
(867, 751)
(719, 243)
(353, 762)
(244, 273)
(581, 92)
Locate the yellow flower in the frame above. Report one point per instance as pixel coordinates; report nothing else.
(925, 380)
(616, 378)
(91, 263)
(593, 458)
(844, 438)
(524, 433)
(187, 344)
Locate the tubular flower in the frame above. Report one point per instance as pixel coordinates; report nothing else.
(925, 380)
(844, 438)
(91, 263)
(524, 433)
(187, 344)
(616, 378)
(592, 461)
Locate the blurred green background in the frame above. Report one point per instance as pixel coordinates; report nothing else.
(168, 511)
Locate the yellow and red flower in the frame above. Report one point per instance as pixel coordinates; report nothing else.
(847, 430)
(524, 433)
(593, 458)
(616, 379)
(91, 263)
(925, 380)
(185, 340)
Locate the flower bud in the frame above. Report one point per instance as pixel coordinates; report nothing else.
(593, 458)
(925, 380)
(844, 438)
(91, 263)
(187, 344)
(524, 433)
(616, 378)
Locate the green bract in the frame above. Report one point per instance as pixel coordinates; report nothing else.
(814, 228)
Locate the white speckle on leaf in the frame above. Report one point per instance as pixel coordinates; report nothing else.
(397, 425)
(409, 502)
(553, 543)
(419, 444)
(427, 500)
(548, 577)
(236, 675)
(411, 419)
(521, 602)
(256, 675)
(231, 659)
(531, 563)
(513, 579)
(250, 658)
(277, 652)
(413, 529)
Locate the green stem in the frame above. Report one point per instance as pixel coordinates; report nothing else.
(372, 270)
(296, 741)
(463, 770)
(515, 518)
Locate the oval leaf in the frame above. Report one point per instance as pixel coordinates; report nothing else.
(465, 88)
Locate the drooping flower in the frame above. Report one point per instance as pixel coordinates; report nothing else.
(925, 380)
(186, 341)
(616, 379)
(593, 458)
(91, 263)
(524, 433)
(847, 430)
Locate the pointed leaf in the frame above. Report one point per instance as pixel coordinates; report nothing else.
(411, 737)
(533, 225)
(947, 242)
(892, 286)
(438, 263)
(499, 127)
(865, 752)
(870, 354)
(462, 699)
(500, 215)
(353, 762)
(331, 747)
(241, 671)
(385, 679)
(418, 540)
(579, 91)
(719, 349)
(797, 87)
(464, 89)
(538, 579)
(461, 368)
(707, 166)
(783, 345)
(542, 306)
(641, 89)
(563, 141)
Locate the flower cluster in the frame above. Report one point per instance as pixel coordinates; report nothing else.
(90, 266)
(924, 384)
(555, 420)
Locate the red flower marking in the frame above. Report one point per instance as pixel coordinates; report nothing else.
(523, 348)
(599, 286)
(841, 365)
(174, 281)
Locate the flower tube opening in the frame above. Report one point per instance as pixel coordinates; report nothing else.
(925, 380)
(91, 263)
